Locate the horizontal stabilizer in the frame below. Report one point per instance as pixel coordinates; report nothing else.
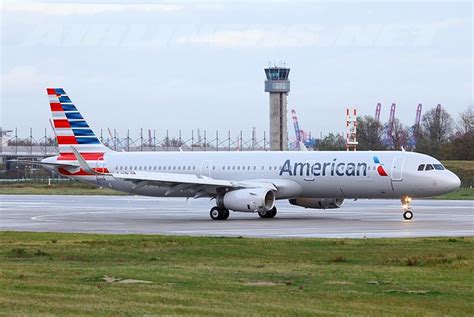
(83, 163)
(53, 164)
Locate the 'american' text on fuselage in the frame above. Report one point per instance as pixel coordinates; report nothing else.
(324, 169)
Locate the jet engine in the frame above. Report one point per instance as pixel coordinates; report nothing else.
(247, 199)
(318, 203)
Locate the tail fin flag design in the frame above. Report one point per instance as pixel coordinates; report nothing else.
(71, 128)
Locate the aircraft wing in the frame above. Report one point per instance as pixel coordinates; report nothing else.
(169, 178)
(200, 186)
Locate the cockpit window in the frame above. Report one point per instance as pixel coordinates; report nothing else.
(421, 167)
(429, 167)
(438, 167)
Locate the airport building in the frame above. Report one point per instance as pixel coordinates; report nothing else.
(278, 87)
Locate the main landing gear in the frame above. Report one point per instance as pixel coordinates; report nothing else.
(407, 214)
(218, 213)
(268, 214)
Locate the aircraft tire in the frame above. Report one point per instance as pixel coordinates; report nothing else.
(268, 213)
(217, 213)
(408, 215)
(273, 212)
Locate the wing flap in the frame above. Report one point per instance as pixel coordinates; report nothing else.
(169, 178)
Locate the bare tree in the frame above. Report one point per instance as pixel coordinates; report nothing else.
(369, 134)
(466, 121)
(461, 146)
(400, 135)
(437, 128)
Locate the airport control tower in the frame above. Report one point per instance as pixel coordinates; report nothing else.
(278, 85)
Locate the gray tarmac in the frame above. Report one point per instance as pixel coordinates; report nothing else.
(176, 216)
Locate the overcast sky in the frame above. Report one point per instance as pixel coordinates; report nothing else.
(189, 65)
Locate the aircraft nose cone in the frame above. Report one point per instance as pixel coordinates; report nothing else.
(453, 182)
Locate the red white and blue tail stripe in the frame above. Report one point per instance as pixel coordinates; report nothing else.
(71, 129)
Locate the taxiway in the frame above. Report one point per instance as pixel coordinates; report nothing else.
(174, 216)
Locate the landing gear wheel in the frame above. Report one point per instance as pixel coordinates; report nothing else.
(268, 213)
(219, 213)
(273, 212)
(408, 215)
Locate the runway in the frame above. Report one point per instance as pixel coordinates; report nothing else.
(176, 216)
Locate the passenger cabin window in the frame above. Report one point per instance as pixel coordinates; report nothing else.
(429, 167)
(421, 167)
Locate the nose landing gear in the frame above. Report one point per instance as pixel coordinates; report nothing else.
(407, 214)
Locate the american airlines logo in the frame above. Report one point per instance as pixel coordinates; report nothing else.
(380, 168)
(333, 168)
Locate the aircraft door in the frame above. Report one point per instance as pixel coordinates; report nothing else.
(206, 168)
(100, 167)
(397, 169)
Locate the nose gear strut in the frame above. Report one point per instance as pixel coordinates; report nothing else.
(407, 214)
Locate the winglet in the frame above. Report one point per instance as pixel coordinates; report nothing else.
(82, 163)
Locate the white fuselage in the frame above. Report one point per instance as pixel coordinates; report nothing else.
(301, 174)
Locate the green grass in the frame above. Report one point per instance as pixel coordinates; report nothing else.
(63, 274)
(460, 194)
(464, 169)
(56, 188)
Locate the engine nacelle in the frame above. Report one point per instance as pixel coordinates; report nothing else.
(247, 200)
(318, 203)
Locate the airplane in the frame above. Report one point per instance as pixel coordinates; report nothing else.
(243, 181)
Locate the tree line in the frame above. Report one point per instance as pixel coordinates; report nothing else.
(438, 135)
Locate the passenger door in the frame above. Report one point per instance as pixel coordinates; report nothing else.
(206, 168)
(397, 169)
(100, 167)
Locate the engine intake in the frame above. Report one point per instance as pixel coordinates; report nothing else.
(318, 203)
(247, 200)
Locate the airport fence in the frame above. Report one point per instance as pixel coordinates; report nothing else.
(44, 144)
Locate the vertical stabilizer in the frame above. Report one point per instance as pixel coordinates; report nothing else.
(71, 129)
